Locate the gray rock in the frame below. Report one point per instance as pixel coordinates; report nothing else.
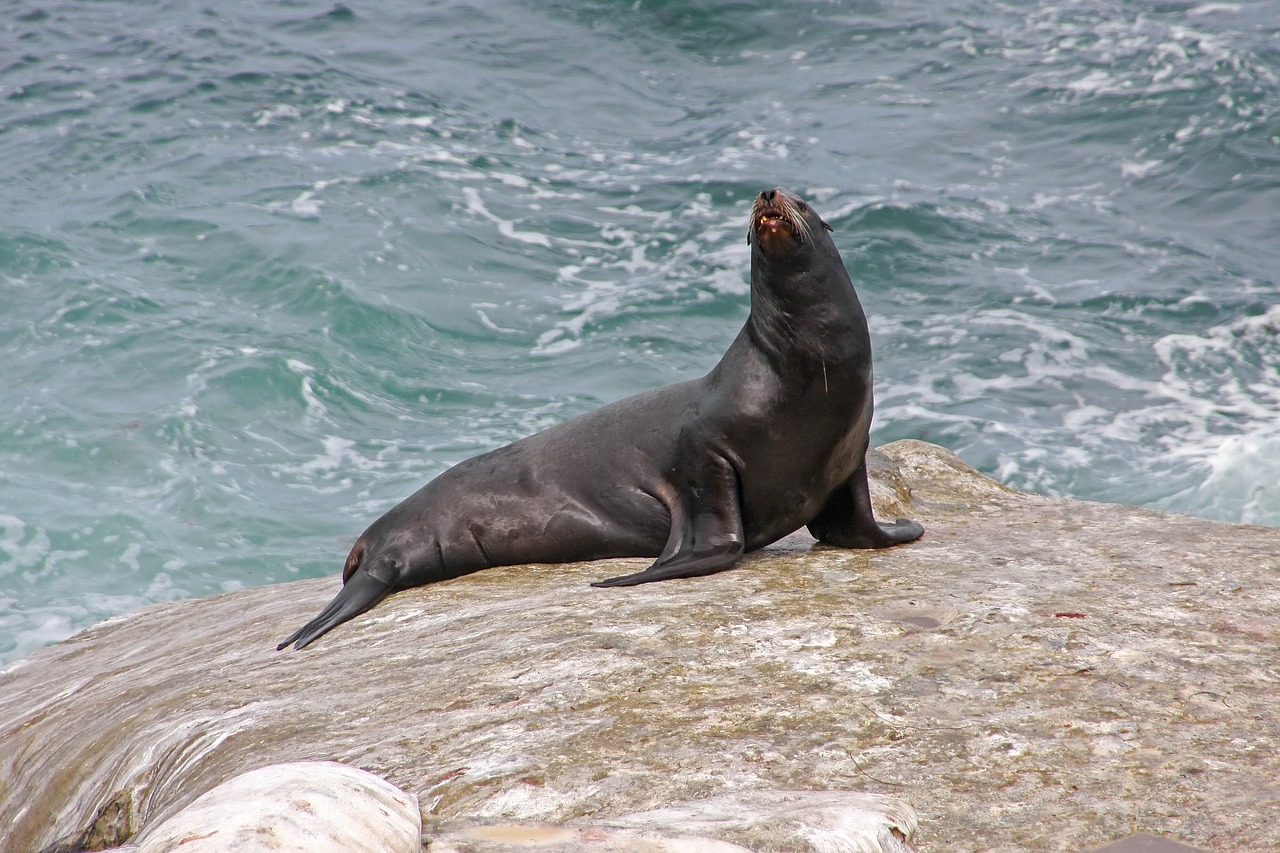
(1035, 674)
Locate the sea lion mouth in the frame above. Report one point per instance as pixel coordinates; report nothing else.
(775, 211)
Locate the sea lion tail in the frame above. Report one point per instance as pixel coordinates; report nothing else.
(358, 594)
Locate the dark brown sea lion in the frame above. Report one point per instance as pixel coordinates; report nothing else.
(772, 439)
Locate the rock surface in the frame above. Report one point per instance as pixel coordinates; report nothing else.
(826, 821)
(302, 805)
(1035, 674)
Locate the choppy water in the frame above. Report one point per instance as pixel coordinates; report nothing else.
(267, 267)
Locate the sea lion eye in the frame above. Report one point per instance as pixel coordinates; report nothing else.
(802, 206)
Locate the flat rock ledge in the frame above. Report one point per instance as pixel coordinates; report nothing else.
(1036, 674)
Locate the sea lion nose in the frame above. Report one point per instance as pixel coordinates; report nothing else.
(768, 195)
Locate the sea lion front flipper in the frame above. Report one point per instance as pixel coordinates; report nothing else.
(848, 522)
(706, 527)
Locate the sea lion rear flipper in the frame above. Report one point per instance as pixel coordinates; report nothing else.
(706, 528)
(358, 594)
(848, 522)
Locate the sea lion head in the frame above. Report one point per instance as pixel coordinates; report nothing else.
(781, 223)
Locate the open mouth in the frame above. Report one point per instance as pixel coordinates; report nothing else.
(773, 220)
(775, 213)
(770, 214)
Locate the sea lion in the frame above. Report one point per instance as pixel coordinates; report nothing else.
(772, 439)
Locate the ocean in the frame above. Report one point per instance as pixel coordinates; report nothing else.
(268, 267)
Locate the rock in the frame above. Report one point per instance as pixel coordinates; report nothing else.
(1035, 674)
(1146, 843)
(836, 821)
(303, 806)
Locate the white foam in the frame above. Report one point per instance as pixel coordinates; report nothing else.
(1213, 9)
(1244, 478)
(489, 324)
(339, 454)
(554, 342)
(1094, 83)
(316, 409)
(130, 556)
(1203, 438)
(506, 227)
(1138, 170)
(1134, 54)
(414, 121)
(267, 115)
(24, 546)
(306, 204)
(31, 629)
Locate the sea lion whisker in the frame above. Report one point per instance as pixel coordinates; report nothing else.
(797, 221)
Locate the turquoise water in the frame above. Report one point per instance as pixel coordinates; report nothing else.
(267, 268)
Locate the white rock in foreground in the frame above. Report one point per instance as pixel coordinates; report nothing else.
(314, 806)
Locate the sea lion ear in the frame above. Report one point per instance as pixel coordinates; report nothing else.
(824, 225)
(748, 235)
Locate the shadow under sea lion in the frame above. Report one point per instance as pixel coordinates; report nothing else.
(773, 438)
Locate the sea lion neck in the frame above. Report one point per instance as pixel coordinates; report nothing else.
(799, 282)
(809, 286)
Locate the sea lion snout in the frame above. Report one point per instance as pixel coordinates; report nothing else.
(776, 216)
(771, 204)
(781, 222)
